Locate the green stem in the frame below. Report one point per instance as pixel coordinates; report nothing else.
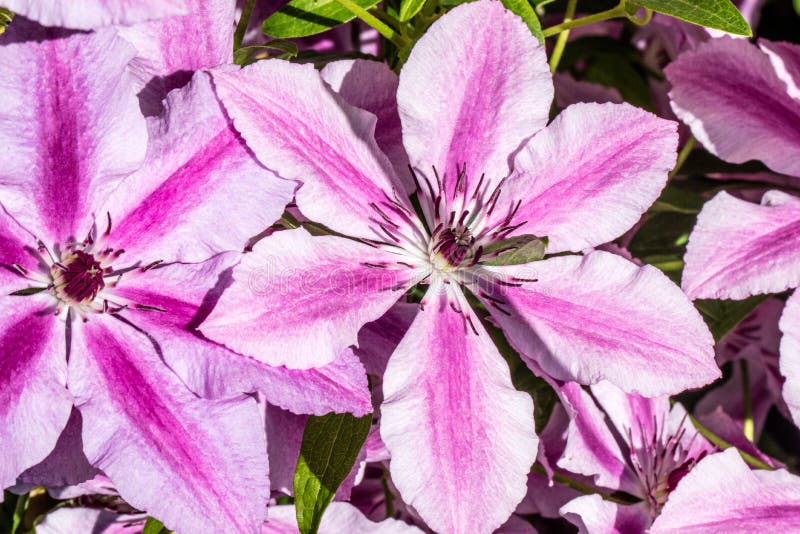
(371, 20)
(722, 444)
(561, 42)
(749, 427)
(683, 155)
(586, 489)
(244, 21)
(614, 12)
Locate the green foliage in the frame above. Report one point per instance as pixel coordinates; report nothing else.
(526, 12)
(301, 18)
(250, 54)
(6, 16)
(717, 14)
(409, 8)
(154, 526)
(516, 250)
(327, 454)
(12, 512)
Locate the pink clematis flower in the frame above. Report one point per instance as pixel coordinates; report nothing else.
(648, 448)
(456, 428)
(739, 248)
(722, 494)
(91, 14)
(97, 339)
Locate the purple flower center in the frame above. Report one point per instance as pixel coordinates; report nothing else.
(454, 245)
(79, 278)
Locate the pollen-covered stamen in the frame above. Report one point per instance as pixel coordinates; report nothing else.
(78, 278)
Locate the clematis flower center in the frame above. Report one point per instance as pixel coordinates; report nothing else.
(79, 278)
(450, 247)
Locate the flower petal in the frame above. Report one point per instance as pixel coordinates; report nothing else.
(785, 59)
(339, 517)
(372, 86)
(302, 130)
(493, 92)
(200, 190)
(378, 340)
(70, 127)
(634, 416)
(722, 494)
(591, 448)
(790, 355)
(67, 520)
(455, 426)
(299, 301)
(197, 465)
(593, 515)
(91, 14)
(601, 317)
(164, 62)
(34, 402)
(730, 81)
(738, 248)
(187, 293)
(591, 174)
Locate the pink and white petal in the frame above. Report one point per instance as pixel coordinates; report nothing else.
(730, 81)
(187, 293)
(299, 301)
(450, 448)
(722, 494)
(66, 465)
(378, 340)
(92, 14)
(477, 108)
(197, 465)
(97, 521)
(100, 484)
(200, 191)
(372, 86)
(590, 175)
(593, 515)
(16, 246)
(601, 317)
(70, 127)
(785, 59)
(790, 355)
(164, 62)
(592, 449)
(34, 402)
(738, 248)
(285, 432)
(339, 517)
(632, 415)
(571, 91)
(298, 127)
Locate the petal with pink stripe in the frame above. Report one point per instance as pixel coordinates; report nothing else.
(738, 248)
(71, 128)
(493, 92)
(298, 127)
(299, 300)
(200, 191)
(456, 428)
(91, 14)
(197, 465)
(601, 317)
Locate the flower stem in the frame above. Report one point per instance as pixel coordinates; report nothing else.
(618, 11)
(722, 444)
(749, 427)
(683, 155)
(561, 42)
(244, 21)
(371, 20)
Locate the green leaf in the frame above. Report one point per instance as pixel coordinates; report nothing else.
(515, 250)
(409, 8)
(301, 18)
(327, 454)
(27, 291)
(722, 316)
(244, 56)
(154, 526)
(6, 16)
(796, 4)
(526, 12)
(717, 14)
